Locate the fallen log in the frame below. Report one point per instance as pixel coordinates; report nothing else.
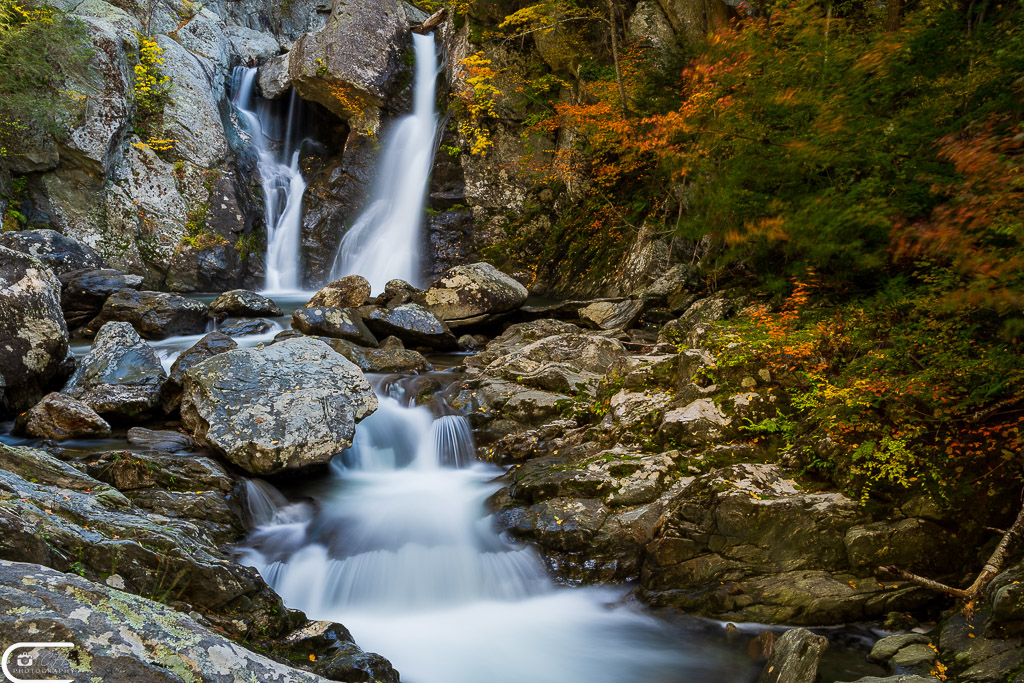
(430, 24)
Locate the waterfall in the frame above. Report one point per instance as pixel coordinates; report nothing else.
(280, 177)
(401, 550)
(384, 242)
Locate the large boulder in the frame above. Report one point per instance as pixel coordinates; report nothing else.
(209, 346)
(120, 376)
(411, 323)
(464, 293)
(350, 65)
(351, 291)
(83, 292)
(142, 639)
(60, 417)
(242, 302)
(338, 323)
(155, 315)
(382, 360)
(289, 405)
(33, 334)
(60, 253)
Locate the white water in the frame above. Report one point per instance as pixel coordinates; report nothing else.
(280, 178)
(385, 241)
(403, 553)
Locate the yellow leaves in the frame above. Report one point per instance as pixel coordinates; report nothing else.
(479, 98)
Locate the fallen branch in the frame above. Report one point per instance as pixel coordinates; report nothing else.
(430, 24)
(992, 567)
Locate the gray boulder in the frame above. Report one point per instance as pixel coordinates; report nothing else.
(608, 315)
(33, 335)
(289, 405)
(350, 65)
(467, 292)
(242, 302)
(351, 291)
(382, 359)
(140, 639)
(338, 323)
(120, 376)
(60, 253)
(411, 323)
(795, 658)
(161, 440)
(60, 417)
(156, 315)
(83, 292)
(207, 347)
(247, 326)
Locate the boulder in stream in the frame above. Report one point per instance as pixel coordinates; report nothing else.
(411, 323)
(242, 302)
(795, 658)
(60, 253)
(156, 315)
(59, 417)
(33, 335)
(466, 293)
(207, 347)
(120, 376)
(351, 291)
(339, 323)
(286, 406)
(83, 292)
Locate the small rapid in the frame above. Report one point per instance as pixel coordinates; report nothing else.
(400, 548)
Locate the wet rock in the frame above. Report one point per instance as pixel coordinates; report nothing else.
(531, 407)
(120, 376)
(471, 342)
(411, 323)
(155, 315)
(381, 360)
(916, 658)
(33, 335)
(883, 650)
(289, 405)
(83, 292)
(397, 292)
(612, 316)
(143, 639)
(247, 326)
(698, 423)
(242, 302)
(351, 291)
(161, 440)
(563, 524)
(207, 347)
(338, 323)
(795, 658)
(59, 253)
(60, 417)
(470, 291)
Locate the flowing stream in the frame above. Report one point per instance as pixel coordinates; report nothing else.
(399, 548)
(278, 155)
(385, 241)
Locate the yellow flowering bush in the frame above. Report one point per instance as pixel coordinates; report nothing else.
(152, 94)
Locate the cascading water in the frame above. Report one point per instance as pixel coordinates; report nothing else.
(384, 242)
(403, 553)
(280, 177)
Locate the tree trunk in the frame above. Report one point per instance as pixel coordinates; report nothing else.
(893, 15)
(615, 57)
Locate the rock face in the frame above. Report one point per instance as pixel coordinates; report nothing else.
(289, 405)
(339, 323)
(795, 658)
(83, 292)
(61, 417)
(120, 376)
(411, 323)
(143, 640)
(242, 302)
(745, 543)
(351, 291)
(478, 289)
(59, 253)
(349, 65)
(33, 335)
(207, 347)
(155, 315)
